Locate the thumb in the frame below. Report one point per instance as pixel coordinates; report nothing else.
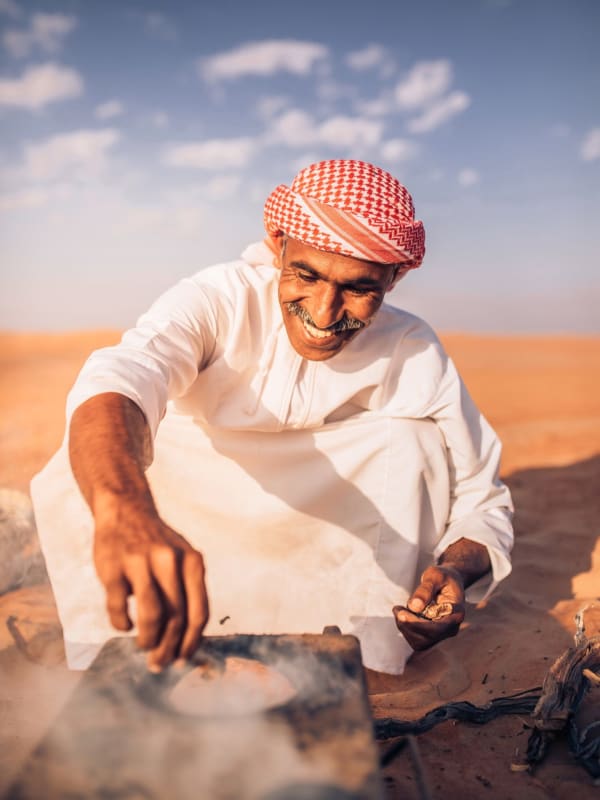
(425, 593)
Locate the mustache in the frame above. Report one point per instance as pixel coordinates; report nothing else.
(344, 324)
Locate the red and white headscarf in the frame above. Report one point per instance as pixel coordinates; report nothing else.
(348, 207)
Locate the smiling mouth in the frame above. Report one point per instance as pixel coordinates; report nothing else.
(317, 333)
(346, 324)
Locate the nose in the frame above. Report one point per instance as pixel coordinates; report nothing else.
(327, 306)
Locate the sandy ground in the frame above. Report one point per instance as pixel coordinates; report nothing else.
(542, 395)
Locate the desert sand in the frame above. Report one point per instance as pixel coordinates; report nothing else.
(542, 395)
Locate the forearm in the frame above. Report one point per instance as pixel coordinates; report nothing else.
(108, 449)
(470, 559)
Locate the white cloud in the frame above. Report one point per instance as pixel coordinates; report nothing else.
(590, 147)
(263, 58)
(108, 110)
(398, 149)
(80, 152)
(373, 55)
(329, 90)
(10, 8)
(348, 132)
(468, 177)
(223, 185)
(158, 25)
(160, 119)
(267, 107)
(46, 31)
(40, 85)
(438, 113)
(297, 128)
(25, 198)
(378, 107)
(425, 82)
(211, 153)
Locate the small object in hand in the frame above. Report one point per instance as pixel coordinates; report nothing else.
(432, 612)
(435, 611)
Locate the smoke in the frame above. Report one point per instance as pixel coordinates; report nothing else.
(122, 735)
(21, 561)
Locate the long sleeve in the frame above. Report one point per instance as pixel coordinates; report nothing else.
(480, 504)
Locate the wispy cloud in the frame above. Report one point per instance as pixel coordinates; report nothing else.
(157, 24)
(298, 128)
(40, 85)
(45, 31)
(77, 153)
(160, 119)
(590, 147)
(23, 199)
(295, 128)
(264, 59)
(10, 8)
(426, 81)
(398, 150)
(439, 112)
(271, 105)
(468, 177)
(109, 110)
(222, 186)
(211, 154)
(369, 57)
(349, 132)
(378, 106)
(422, 93)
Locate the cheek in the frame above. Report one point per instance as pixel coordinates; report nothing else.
(363, 308)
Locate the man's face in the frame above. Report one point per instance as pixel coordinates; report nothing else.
(327, 299)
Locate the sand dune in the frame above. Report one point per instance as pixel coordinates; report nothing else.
(542, 395)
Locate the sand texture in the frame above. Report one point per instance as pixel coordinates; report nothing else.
(542, 395)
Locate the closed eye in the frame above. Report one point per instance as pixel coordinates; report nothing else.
(308, 277)
(360, 290)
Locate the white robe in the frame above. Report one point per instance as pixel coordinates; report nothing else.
(316, 491)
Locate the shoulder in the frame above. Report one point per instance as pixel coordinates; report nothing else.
(399, 325)
(219, 290)
(416, 360)
(234, 276)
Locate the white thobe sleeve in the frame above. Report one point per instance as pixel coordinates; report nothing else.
(480, 504)
(158, 359)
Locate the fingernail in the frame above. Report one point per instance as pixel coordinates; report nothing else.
(180, 663)
(155, 669)
(416, 605)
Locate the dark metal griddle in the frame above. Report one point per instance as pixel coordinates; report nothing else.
(119, 738)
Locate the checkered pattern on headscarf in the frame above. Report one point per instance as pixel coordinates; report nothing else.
(348, 207)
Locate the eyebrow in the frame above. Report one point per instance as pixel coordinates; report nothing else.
(365, 281)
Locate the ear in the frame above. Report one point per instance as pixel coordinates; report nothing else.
(275, 243)
(397, 275)
(280, 244)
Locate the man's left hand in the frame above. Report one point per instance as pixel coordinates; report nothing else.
(439, 584)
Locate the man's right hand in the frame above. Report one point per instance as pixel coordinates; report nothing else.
(137, 554)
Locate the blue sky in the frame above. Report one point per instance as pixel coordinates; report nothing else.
(140, 139)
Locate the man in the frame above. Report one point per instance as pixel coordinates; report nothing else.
(317, 450)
